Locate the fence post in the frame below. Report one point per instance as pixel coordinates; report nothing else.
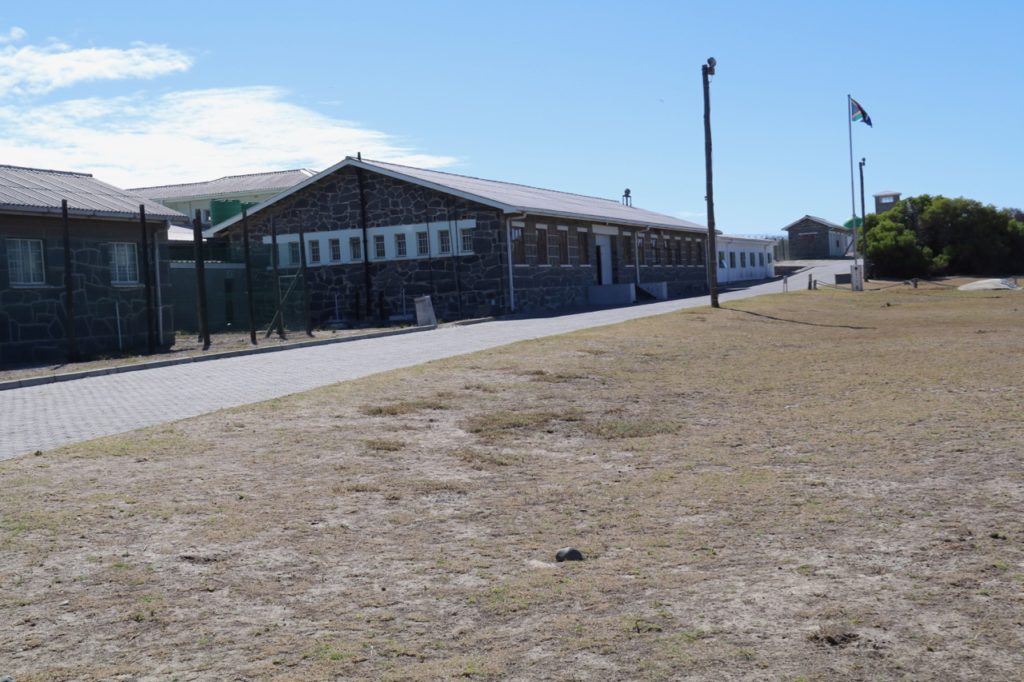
(197, 239)
(69, 286)
(248, 276)
(150, 326)
(305, 283)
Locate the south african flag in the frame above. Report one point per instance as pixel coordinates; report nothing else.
(857, 112)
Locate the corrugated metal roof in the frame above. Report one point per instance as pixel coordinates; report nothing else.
(37, 190)
(507, 196)
(273, 181)
(826, 223)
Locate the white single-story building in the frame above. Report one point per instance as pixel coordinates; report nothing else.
(744, 258)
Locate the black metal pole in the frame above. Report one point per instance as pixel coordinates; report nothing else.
(248, 277)
(274, 263)
(305, 283)
(367, 279)
(69, 286)
(197, 240)
(147, 280)
(709, 70)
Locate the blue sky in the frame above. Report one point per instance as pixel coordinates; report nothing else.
(587, 97)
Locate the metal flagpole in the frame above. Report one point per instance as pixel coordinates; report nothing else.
(853, 205)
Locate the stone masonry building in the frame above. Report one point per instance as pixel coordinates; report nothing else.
(814, 238)
(111, 310)
(377, 235)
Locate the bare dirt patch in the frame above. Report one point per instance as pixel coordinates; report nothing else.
(817, 486)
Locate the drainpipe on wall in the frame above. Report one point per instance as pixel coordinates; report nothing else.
(511, 268)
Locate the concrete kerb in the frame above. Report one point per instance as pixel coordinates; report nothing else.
(138, 367)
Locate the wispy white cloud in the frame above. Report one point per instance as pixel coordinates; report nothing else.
(139, 139)
(136, 140)
(34, 70)
(13, 35)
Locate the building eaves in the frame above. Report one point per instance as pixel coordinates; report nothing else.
(827, 223)
(37, 191)
(227, 186)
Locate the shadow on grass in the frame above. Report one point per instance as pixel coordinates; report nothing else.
(810, 324)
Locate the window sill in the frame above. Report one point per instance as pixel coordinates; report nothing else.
(41, 285)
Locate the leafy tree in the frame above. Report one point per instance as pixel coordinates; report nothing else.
(893, 249)
(936, 235)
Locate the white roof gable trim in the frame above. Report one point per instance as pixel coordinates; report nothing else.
(504, 207)
(827, 223)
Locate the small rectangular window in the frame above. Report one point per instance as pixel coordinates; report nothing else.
(422, 244)
(769, 259)
(760, 259)
(628, 250)
(25, 261)
(721, 259)
(378, 246)
(542, 246)
(732, 259)
(335, 246)
(641, 250)
(124, 263)
(466, 237)
(518, 246)
(400, 249)
(444, 242)
(743, 259)
(563, 247)
(583, 247)
(294, 257)
(314, 251)
(355, 248)
(698, 246)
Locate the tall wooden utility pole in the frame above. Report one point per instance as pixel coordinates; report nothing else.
(709, 70)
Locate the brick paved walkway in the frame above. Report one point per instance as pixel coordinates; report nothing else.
(44, 417)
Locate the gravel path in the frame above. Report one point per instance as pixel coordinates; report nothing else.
(47, 416)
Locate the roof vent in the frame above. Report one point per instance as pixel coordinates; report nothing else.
(627, 200)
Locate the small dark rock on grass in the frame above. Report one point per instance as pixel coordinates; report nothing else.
(568, 554)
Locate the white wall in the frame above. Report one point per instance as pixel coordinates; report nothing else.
(744, 259)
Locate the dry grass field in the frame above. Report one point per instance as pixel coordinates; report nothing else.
(815, 486)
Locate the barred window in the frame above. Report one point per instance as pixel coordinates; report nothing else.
(583, 247)
(444, 242)
(355, 248)
(641, 250)
(124, 263)
(563, 247)
(314, 251)
(699, 245)
(400, 249)
(518, 246)
(467, 241)
(422, 243)
(25, 261)
(335, 246)
(628, 250)
(294, 257)
(378, 246)
(542, 246)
